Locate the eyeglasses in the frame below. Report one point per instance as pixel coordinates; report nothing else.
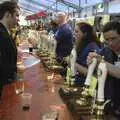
(112, 40)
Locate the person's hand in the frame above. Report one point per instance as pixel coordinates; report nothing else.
(91, 56)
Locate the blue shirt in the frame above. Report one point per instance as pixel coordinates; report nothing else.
(64, 38)
(82, 60)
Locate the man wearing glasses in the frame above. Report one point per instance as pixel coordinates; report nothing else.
(111, 32)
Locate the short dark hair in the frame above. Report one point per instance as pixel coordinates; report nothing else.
(7, 6)
(112, 26)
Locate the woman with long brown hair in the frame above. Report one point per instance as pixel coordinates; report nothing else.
(86, 41)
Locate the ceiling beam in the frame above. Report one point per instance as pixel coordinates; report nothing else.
(40, 4)
(69, 4)
(24, 8)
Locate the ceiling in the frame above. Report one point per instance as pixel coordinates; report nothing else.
(29, 7)
(33, 6)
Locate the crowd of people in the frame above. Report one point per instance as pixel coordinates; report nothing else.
(89, 46)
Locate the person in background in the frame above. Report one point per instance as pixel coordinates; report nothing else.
(64, 39)
(111, 54)
(9, 17)
(38, 28)
(15, 32)
(54, 26)
(86, 41)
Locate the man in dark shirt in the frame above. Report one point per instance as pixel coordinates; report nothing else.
(9, 16)
(64, 38)
(111, 33)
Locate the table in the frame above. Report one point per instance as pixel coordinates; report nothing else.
(35, 80)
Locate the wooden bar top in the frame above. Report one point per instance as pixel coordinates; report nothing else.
(43, 96)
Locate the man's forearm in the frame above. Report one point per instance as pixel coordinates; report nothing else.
(83, 70)
(113, 70)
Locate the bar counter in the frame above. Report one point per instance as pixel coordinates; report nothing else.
(44, 95)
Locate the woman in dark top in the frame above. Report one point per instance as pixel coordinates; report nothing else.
(86, 41)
